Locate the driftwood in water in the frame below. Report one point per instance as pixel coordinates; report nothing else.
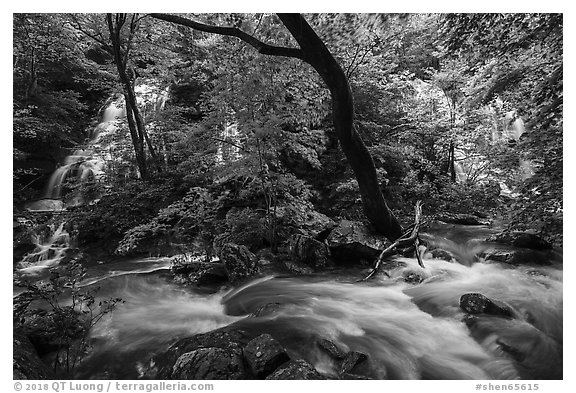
(410, 236)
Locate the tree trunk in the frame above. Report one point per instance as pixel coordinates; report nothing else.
(135, 123)
(137, 140)
(317, 55)
(33, 78)
(133, 114)
(452, 163)
(313, 51)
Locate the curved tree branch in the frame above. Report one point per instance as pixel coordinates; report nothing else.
(260, 46)
(314, 52)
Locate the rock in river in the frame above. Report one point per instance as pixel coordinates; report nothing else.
(239, 262)
(353, 240)
(264, 354)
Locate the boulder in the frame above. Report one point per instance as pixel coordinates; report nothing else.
(412, 277)
(200, 273)
(476, 303)
(239, 262)
(523, 256)
(317, 225)
(351, 361)
(295, 370)
(331, 348)
(503, 256)
(264, 355)
(26, 363)
(49, 330)
(521, 240)
(308, 251)
(302, 220)
(353, 240)
(221, 356)
(212, 274)
(439, 253)
(209, 363)
(462, 219)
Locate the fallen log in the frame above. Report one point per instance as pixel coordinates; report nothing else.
(410, 236)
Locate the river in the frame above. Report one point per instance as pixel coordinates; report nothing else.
(408, 329)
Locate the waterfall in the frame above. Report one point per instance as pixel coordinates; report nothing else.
(88, 164)
(48, 252)
(84, 165)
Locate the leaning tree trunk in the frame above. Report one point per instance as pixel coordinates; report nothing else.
(317, 55)
(313, 51)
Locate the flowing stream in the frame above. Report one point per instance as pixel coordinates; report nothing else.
(409, 330)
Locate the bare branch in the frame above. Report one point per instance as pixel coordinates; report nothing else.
(96, 36)
(410, 236)
(349, 68)
(229, 142)
(262, 47)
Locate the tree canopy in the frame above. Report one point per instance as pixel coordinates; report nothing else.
(238, 118)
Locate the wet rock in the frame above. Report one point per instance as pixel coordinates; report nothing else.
(462, 219)
(351, 361)
(520, 257)
(265, 257)
(297, 268)
(476, 303)
(200, 273)
(49, 331)
(353, 240)
(296, 370)
(210, 363)
(317, 225)
(226, 355)
(308, 251)
(26, 363)
(412, 277)
(331, 348)
(267, 309)
(45, 205)
(214, 274)
(502, 256)
(521, 240)
(470, 320)
(302, 221)
(264, 354)
(439, 253)
(239, 262)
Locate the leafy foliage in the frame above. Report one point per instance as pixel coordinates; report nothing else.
(245, 142)
(70, 320)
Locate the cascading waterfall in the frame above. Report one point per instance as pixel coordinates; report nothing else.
(89, 163)
(48, 253)
(84, 165)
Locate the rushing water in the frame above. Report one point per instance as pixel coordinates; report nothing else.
(89, 163)
(409, 330)
(47, 253)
